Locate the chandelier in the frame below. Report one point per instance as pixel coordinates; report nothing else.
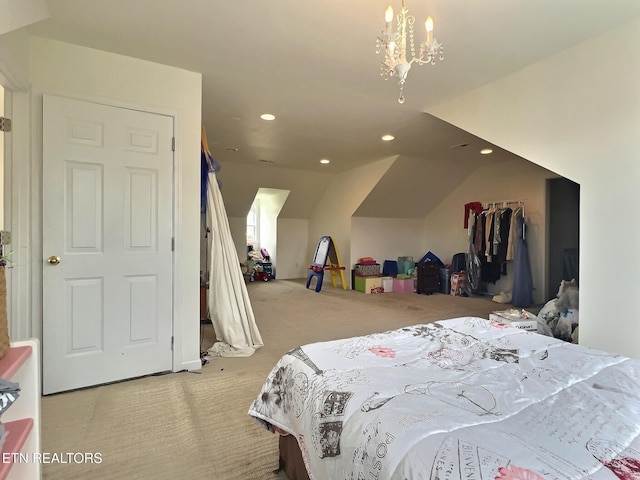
(398, 45)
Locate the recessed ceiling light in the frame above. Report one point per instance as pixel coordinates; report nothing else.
(388, 137)
(486, 151)
(325, 161)
(267, 116)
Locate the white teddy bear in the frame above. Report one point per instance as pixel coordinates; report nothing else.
(561, 313)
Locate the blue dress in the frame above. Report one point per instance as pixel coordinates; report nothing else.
(522, 282)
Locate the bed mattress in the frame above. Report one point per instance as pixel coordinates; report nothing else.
(463, 398)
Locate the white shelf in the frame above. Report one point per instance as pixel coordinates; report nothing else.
(21, 365)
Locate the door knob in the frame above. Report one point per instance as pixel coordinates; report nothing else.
(53, 260)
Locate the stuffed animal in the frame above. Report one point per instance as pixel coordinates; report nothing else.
(569, 299)
(561, 313)
(566, 285)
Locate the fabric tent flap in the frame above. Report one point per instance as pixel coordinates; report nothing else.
(229, 304)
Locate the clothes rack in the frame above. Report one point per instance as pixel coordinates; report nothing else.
(505, 204)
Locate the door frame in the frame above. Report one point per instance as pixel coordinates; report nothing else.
(26, 179)
(17, 201)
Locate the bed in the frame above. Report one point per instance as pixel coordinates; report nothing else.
(463, 398)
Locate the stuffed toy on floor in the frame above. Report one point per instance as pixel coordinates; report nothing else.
(561, 313)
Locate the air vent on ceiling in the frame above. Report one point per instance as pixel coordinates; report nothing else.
(460, 145)
(262, 160)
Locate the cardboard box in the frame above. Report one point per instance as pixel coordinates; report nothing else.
(516, 318)
(369, 284)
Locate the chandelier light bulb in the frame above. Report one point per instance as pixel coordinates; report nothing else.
(428, 24)
(388, 14)
(392, 47)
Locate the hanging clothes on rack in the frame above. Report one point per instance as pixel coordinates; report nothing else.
(494, 238)
(511, 244)
(488, 233)
(471, 207)
(490, 266)
(501, 238)
(478, 238)
(473, 264)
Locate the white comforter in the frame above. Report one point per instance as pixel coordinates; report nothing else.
(456, 399)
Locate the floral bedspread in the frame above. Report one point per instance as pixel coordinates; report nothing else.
(456, 399)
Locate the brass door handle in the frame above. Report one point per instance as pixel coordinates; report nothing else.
(53, 260)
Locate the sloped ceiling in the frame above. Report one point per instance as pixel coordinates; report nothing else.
(423, 175)
(19, 13)
(313, 65)
(240, 184)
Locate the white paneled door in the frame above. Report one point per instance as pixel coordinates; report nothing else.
(107, 243)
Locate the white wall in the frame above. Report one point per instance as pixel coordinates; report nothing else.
(290, 255)
(293, 248)
(83, 73)
(238, 227)
(386, 239)
(578, 114)
(271, 202)
(14, 54)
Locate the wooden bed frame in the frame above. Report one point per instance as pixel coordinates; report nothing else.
(291, 459)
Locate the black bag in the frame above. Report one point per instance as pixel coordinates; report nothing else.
(459, 262)
(428, 275)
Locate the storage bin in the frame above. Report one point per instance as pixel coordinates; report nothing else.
(387, 284)
(405, 264)
(365, 270)
(445, 280)
(403, 285)
(368, 284)
(390, 268)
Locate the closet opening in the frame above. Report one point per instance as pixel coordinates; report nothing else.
(563, 233)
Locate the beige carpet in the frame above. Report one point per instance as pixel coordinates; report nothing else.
(194, 424)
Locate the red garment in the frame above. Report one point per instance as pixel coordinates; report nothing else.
(471, 207)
